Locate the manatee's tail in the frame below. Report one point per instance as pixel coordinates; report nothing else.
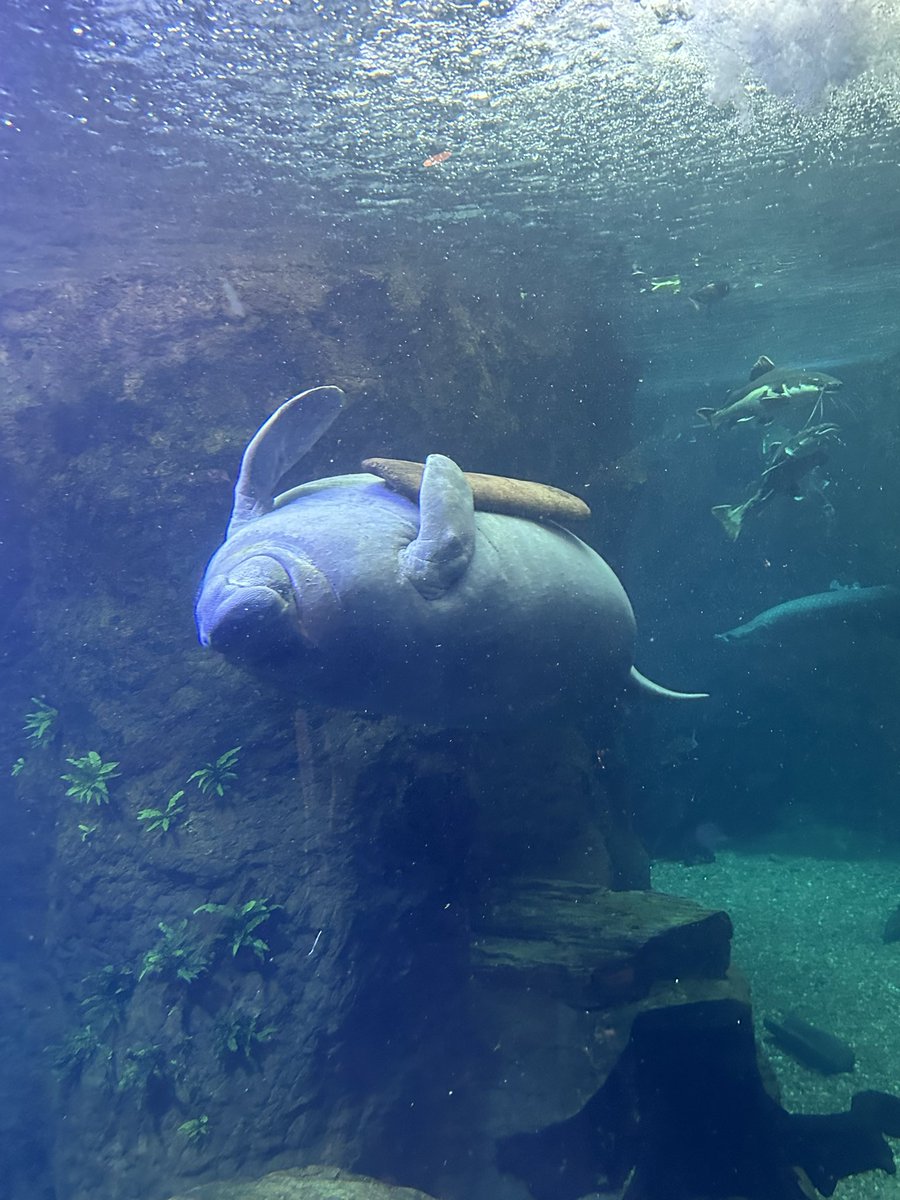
(647, 687)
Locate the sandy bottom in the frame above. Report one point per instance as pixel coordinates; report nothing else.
(808, 934)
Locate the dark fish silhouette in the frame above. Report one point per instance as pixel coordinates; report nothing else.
(820, 612)
(709, 294)
(811, 1046)
(891, 932)
(769, 391)
(790, 463)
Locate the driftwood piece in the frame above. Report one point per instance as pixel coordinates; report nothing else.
(492, 493)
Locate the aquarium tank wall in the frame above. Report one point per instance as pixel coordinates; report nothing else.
(450, 599)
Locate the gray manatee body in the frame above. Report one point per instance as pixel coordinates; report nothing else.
(820, 614)
(356, 597)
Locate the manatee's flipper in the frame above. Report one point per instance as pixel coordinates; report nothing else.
(646, 686)
(439, 555)
(288, 434)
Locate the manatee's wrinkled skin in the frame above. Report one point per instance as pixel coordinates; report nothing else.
(353, 596)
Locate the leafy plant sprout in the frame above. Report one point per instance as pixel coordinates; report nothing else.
(195, 1129)
(177, 955)
(140, 1066)
(87, 832)
(217, 776)
(69, 1057)
(162, 818)
(39, 723)
(240, 1035)
(18, 767)
(240, 924)
(108, 993)
(90, 778)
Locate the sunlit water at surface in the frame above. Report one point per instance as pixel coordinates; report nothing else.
(752, 142)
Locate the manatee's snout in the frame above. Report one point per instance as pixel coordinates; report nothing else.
(239, 604)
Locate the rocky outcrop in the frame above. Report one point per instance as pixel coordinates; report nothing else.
(307, 1183)
(443, 967)
(126, 396)
(561, 973)
(625, 1062)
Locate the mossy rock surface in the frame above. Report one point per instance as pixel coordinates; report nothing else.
(306, 1183)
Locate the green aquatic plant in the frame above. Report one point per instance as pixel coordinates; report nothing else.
(240, 923)
(141, 1065)
(162, 818)
(87, 831)
(178, 955)
(195, 1129)
(18, 767)
(70, 1056)
(239, 1035)
(217, 776)
(108, 993)
(90, 778)
(39, 723)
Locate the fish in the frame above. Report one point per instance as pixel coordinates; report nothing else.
(436, 159)
(789, 463)
(821, 612)
(699, 844)
(679, 750)
(664, 285)
(891, 931)
(814, 1047)
(709, 294)
(769, 391)
(669, 286)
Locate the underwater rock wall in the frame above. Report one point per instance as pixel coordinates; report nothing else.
(291, 1018)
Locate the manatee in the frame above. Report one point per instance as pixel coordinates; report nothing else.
(353, 595)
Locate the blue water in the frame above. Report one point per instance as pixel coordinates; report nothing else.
(485, 222)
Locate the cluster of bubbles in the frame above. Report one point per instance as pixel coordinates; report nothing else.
(799, 50)
(576, 86)
(548, 102)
